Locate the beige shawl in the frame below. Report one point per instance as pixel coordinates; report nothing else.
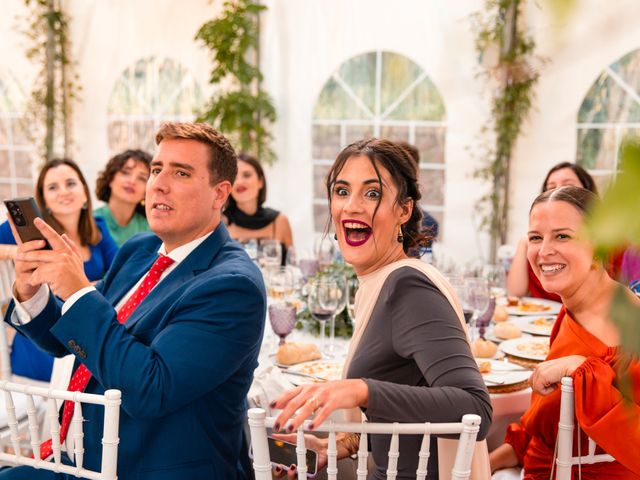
(366, 298)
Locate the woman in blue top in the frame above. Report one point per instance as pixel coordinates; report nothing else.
(63, 196)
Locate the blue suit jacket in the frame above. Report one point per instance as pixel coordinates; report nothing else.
(184, 359)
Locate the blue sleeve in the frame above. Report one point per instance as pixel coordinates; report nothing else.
(204, 339)
(6, 235)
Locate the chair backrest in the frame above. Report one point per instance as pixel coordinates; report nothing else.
(467, 429)
(565, 459)
(21, 395)
(7, 276)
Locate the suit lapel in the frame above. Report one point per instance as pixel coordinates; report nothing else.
(197, 261)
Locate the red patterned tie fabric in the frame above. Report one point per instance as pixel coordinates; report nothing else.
(82, 375)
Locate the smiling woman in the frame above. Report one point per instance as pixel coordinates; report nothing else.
(245, 214)
(122, 185)
(584, 345)
(409, 359)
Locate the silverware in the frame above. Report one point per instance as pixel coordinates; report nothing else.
(305, 375)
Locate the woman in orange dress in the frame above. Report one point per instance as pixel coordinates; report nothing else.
(584, 346)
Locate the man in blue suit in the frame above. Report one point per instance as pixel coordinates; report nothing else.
(184, 357)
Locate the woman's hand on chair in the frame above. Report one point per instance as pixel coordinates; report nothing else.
(319, 398)
(319, 445)
(547, 375)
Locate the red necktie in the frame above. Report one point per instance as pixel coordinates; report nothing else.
(82, 375)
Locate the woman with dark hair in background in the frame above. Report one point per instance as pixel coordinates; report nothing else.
(121, 185)
(584, 345)
(409, 359)
(521, 280)
(246, 216)
(63, 196)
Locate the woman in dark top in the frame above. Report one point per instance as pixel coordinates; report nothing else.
(246, 216)
(409, 359)
(63, 196)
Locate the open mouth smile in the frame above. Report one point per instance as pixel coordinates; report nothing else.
(356, 233)
(551, 268)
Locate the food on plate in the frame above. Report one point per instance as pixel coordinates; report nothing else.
(500, 314)
(483, 348)
(533, 307)
(542, 322)
(485, 367)
(537, 349)
(291, 353)
(323, 370)
(507, 330)
(513, 301)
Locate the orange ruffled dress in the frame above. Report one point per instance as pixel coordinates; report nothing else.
(611, 421)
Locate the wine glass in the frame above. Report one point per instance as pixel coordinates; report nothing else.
(477, 297)
(497, 278)
(322, 302)
(303, 263)
(251, 247)
(337, 296)
(280, 282)
(282, 316)
(269, 253)
(352, 288)
(325, 250)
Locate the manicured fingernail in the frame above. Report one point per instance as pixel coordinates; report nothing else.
(290, 428)
(277, 469)
(311, 426)
(276, 427)
(272, 404)
(292, 468)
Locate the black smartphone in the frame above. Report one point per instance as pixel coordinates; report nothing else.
(284, 453)
(23, 211)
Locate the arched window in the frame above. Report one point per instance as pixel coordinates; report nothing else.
(385, 95)
(147, 94)
(15, 147)
(609, 113)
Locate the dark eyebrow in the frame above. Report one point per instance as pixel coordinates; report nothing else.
(184, 166)
(366, 182)
(555, 230)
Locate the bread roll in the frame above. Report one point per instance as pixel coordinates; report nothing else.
(500, 314)
(483, 348)
(291, 353)
(506, 330)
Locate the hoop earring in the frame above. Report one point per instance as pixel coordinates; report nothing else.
(400, 237)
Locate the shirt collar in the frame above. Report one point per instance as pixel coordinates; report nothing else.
(180, 253)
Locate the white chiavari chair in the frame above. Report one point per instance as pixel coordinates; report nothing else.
(564, 458)
(467, 429)
(74, 445)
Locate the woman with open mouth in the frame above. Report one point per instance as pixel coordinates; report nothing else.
(409, 359)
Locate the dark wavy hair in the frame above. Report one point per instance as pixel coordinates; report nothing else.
(396, 160)
(87, 229)
(116, 164)
(586, 180)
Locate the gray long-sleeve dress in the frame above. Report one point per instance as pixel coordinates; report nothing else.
(418, 366)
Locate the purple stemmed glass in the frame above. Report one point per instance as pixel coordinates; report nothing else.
(282, 316)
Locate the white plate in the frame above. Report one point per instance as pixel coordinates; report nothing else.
(324, 369)
(541, 325)
(504, 373)
(531, 348)
(489, 335)
(546, 307)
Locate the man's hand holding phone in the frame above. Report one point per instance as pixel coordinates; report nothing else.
(61, 267)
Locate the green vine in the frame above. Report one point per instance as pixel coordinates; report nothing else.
(508, 56)
(56, 86)
(241, 109)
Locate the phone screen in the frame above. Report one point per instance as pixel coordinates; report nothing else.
(284, 453)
